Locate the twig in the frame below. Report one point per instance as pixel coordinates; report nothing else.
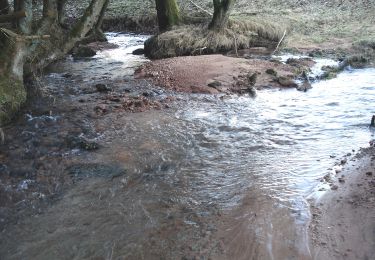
(201, 8)
(19, 37)
(235, 44)
(281, 40)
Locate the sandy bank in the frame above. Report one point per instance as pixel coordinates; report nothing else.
(343, 222)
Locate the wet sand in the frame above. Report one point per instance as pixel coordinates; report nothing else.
(343, 225)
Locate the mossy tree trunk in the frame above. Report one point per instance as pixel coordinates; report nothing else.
(4, 7)
(168, 14)
(220, 18)
(19, 52)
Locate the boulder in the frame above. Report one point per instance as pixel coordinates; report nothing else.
(83, 52)
(287, 82)
(139, 51)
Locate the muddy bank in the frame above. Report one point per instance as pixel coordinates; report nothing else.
(343, 219)
(221, 74)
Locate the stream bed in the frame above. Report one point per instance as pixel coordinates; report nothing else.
(205, 178)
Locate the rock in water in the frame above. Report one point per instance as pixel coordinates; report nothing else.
(373, 121)
(304, 87)
(83, 52)
(287, 82)
(102, 88)
(139, 51)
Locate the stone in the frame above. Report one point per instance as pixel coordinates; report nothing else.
(252, 78)
(139, 51)
(83, 52)
(102, 88)
(304, 87)
(271, 72)
(214, 84)
(287, 82)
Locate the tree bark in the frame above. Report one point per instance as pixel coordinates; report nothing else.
(4, 7)
(222, 10)
(24, 24)
(61, 10)
(168, 14)
(50, 9)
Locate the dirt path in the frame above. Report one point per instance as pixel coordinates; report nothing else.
(343, 223)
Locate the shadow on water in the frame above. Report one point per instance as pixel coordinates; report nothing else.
(221, 178)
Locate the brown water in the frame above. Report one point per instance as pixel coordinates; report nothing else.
(208, 178)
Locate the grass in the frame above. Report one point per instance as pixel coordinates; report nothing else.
(196, 40)
(309, 22)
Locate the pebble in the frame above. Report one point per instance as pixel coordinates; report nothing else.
(369, 173)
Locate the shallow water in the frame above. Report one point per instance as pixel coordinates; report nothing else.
(212, 177)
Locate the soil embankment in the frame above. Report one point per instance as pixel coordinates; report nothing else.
(343, 219)
(214, 74)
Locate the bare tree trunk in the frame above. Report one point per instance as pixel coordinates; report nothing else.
(168, 14)
(13, 54)
(24, 24)
(4, 7)
(222, 10)
(96, 34)
(63, 41)
(61, 10)
(14, 49)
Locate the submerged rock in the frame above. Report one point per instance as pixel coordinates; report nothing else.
(81, 170)
(102, 88)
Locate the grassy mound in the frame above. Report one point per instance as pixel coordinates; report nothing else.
(197, 39)
(12, 96)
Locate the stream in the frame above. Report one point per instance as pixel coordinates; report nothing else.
(206, 178)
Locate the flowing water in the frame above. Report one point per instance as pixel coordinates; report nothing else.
(220, 178)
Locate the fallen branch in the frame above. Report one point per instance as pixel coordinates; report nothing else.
(201, 8)
(19, 37)
(11, 17)
(278, 45)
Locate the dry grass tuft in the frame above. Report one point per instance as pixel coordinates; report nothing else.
(197, 39)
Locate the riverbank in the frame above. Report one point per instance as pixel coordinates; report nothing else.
(343, 221)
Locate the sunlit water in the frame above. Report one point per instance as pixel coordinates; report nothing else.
(216, 152)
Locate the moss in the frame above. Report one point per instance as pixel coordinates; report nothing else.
(12, 96)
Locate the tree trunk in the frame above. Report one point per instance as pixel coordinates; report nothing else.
(222, 10)
(14, 49)
(24, 24)
(4, 7)
(61, 11)
(96, 34)
(168, 14)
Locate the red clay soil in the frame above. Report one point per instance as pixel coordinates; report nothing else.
(213, 74)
